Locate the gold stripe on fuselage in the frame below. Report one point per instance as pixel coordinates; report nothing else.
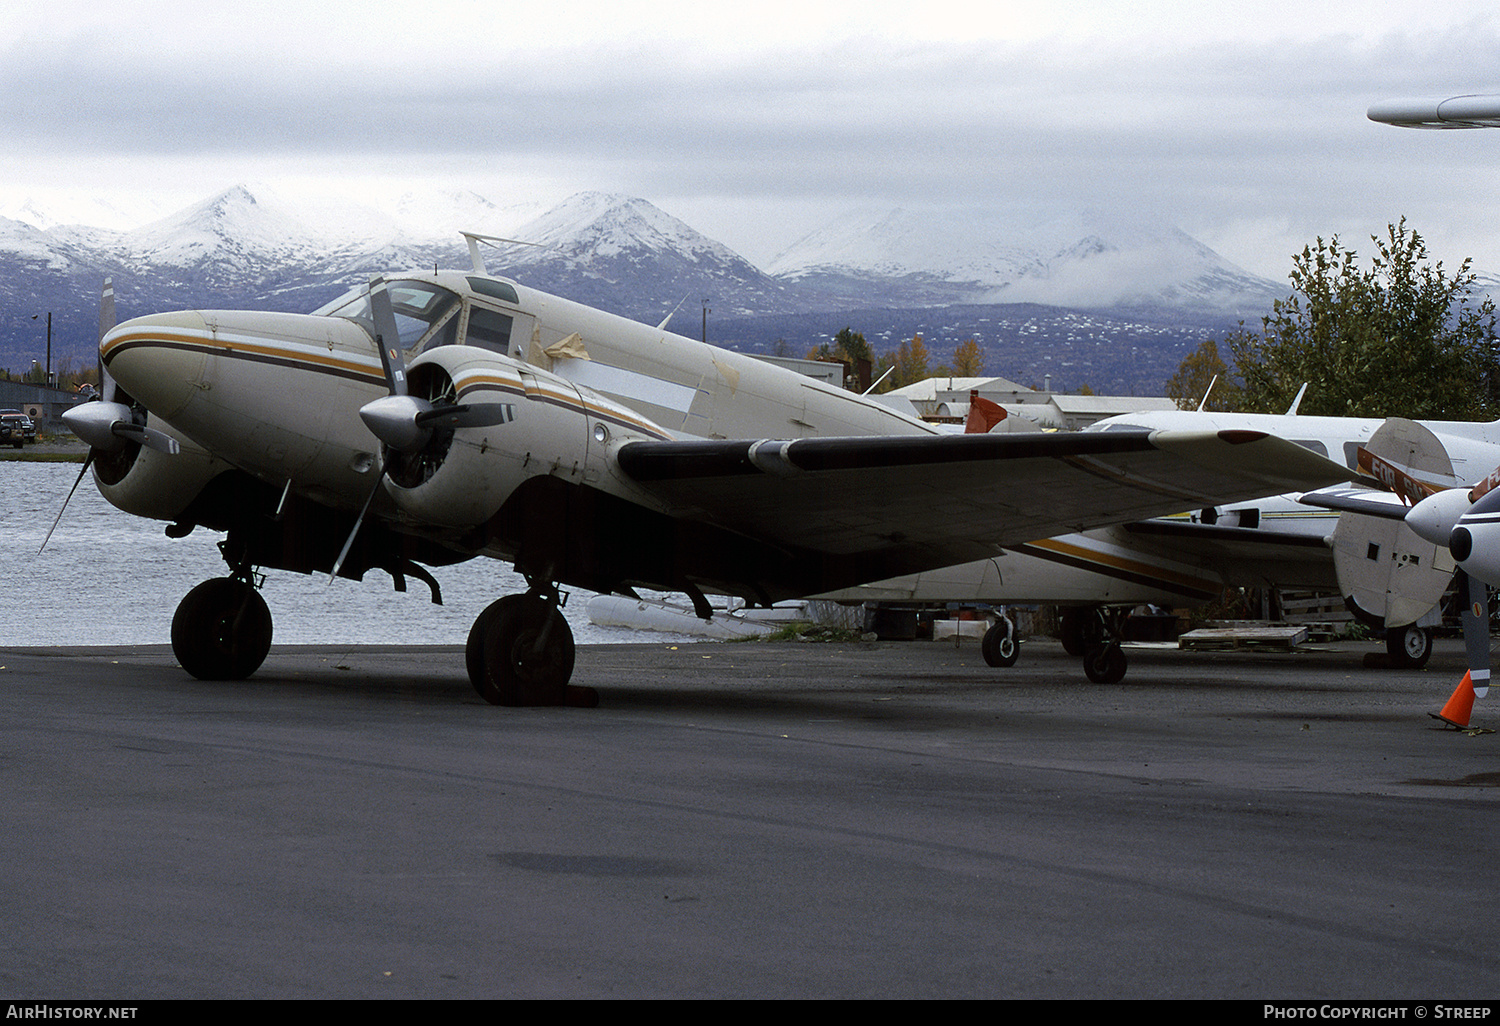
(239, 347)
(309, 358)
(1109, 565)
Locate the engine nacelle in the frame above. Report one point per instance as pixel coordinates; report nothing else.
(512, 421)
(148, 483)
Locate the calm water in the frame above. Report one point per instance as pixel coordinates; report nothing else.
(108, 578)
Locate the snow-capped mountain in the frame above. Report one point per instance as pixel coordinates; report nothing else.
(624, 254)
(249, 246)
(1083, 260)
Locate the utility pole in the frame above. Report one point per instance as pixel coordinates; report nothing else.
(47, 370)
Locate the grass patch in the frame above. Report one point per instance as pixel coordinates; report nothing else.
(799, 631)
(22, 456)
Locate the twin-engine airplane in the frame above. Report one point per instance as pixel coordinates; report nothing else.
(431, 418)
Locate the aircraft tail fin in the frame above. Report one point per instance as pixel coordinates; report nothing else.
(983, 414)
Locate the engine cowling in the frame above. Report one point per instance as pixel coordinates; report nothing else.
(493, 423)
(150, 483)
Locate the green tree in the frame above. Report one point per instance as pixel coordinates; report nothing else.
(849, 348)
(1202, 368)
(1401, 338)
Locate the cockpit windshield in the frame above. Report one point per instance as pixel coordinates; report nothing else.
(425, 313)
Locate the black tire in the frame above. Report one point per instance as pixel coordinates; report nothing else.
(1071, 627)
(1409, 647)
(1000, 645)
(221, 630)
(1104, 664)
(474, 649)
(525, 653)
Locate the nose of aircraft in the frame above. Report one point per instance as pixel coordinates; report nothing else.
(158, 359)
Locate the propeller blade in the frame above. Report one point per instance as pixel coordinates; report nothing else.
(388, 337)
(358, 522)
(96, 418)
(467, 415)
(106, 324)
(88, 461)
(149, 437)
(1476, 623)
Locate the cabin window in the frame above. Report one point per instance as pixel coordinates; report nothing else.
(489, 329)
(501, 290)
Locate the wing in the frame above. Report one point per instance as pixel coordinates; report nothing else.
(871, 508)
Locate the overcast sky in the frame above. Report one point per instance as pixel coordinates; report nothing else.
(1243, 123)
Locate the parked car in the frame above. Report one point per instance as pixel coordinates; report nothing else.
(28, 426)
(15, 427)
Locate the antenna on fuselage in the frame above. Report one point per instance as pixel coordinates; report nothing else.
(474, 239)
(1292, 410)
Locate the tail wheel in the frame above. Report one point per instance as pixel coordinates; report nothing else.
(221, 630)
(521, 652)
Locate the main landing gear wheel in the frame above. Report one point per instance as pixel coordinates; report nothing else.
(1410, 647)
(520, 652)
(1000, 645)
(221, 630)
(1104, 664)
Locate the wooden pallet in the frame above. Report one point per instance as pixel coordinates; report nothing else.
(1256, 636)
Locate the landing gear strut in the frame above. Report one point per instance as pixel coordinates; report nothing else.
(520, 652)
(221, 630)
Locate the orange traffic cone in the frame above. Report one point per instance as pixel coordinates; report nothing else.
(1456, 712)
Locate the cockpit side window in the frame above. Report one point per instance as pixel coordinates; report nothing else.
(423, 312)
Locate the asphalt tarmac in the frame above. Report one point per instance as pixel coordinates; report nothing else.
(747, 820)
